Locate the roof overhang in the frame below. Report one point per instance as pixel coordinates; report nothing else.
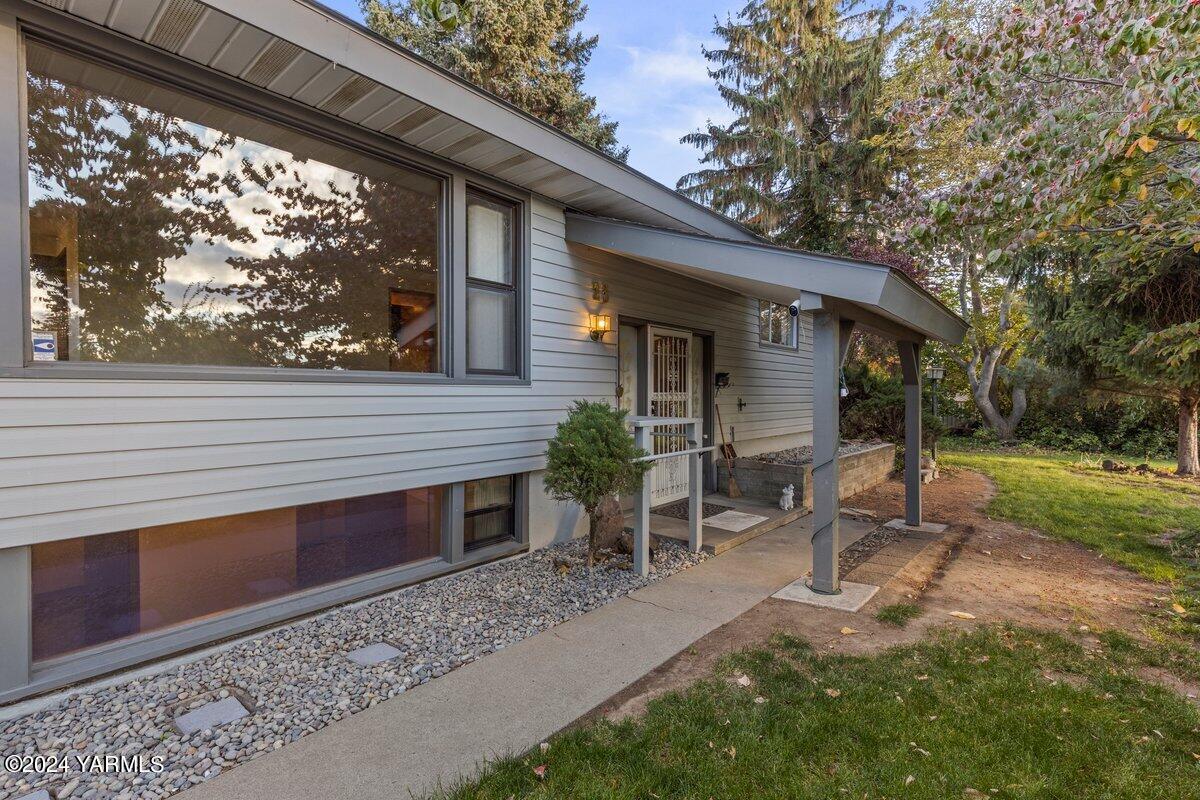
(877, 297)
(311, 55)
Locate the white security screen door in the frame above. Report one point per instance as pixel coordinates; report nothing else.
(670, 395)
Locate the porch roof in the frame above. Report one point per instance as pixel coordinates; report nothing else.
(875, 296)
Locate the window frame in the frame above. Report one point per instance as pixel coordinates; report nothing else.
(514, 485)
(517, 246)
(794, 344)
(170, 72)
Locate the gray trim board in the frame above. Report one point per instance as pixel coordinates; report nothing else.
(13, 220)
(15, 634)
(889, 299)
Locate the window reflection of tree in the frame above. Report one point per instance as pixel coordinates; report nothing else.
(127, 182)
(350, 281)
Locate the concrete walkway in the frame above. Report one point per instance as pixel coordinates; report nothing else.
(509, 701)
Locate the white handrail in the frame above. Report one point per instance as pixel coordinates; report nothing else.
(660, 456)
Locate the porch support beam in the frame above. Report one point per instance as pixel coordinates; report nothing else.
(695, 487)
(641, 508)
(910, 366)
(831, 341)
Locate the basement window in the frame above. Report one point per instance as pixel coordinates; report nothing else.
(490, 513)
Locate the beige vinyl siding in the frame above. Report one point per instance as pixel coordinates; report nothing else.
(85, 456)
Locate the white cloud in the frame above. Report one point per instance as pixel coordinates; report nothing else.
(658, 96)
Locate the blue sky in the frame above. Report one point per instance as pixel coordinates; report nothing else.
(648, 74)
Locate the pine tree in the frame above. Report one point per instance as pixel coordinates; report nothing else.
(526, 51)
(804, 78)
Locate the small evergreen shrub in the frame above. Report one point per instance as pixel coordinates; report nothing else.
(592, 457)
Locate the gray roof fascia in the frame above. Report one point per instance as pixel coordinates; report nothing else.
(892, 300)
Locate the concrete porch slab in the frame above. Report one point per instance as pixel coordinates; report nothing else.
(924, 527)
(714, 539)
(853, 597)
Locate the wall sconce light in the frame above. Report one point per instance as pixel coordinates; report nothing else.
(598, 325)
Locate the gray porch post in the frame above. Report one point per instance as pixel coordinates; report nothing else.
(831, 339)
(695, 488)
(641, 509)
(910, 365)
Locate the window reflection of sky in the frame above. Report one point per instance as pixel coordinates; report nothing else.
(206, 262)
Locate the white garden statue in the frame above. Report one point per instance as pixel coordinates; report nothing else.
(787, 501)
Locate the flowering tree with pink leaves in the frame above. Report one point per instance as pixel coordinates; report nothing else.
(1093, 108)
(1090, 112)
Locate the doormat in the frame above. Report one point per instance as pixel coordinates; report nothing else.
(679, 509)
(736, 521)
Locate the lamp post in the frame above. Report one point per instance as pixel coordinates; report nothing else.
(934, 374)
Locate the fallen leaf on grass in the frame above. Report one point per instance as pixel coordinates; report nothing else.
(909, 780)
(1178, 609)
(833, 693)
(974, 794)
(760, 700)
(743, 680)
(962, 615)
(544, 746)
(731, 752)
(920, 750)
(540, 771)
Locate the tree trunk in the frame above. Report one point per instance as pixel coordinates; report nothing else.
(1189, 453)
(593, 523)
(1005, 427)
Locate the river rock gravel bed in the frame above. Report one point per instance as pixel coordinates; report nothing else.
(297, 679)
(804, 453)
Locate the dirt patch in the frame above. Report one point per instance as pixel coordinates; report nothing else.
(1188, 690)
(990, 571)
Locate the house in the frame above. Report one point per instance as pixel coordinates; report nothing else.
(288, 314)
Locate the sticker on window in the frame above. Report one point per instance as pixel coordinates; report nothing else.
(45, 346)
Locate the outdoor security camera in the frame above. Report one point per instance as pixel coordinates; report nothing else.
(794, 308)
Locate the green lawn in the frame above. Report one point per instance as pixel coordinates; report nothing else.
(1123, 516)
(961, 716)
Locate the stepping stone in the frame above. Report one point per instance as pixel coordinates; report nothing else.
(924, 527)
(373, 654)
(853, 597)
(735, 521)
(211, 715)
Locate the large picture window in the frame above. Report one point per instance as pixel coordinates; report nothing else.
(166, 229)
(97, 589)
(491, 286)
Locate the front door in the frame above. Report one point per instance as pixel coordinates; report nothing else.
(670, 395)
